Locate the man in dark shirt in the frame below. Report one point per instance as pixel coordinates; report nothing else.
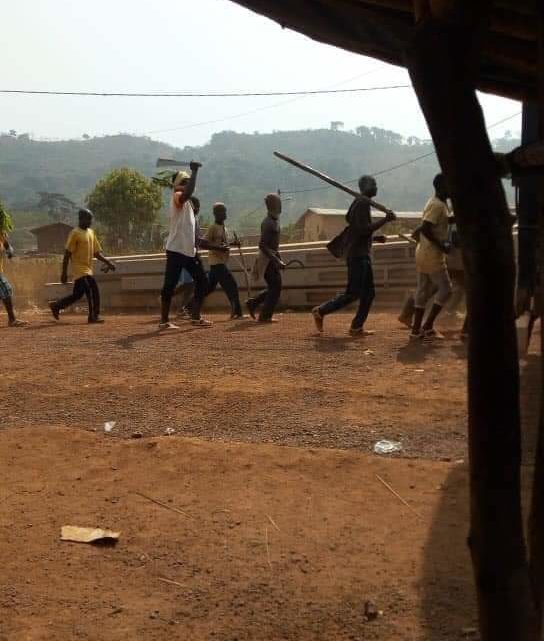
(268, 262)
(360, 277)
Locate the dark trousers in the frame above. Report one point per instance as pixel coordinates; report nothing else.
(270, 296)
(86, 285)
(220, 275)
(360, 286)
(174, 264)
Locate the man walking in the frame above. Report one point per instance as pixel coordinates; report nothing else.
(269, 263)
(218, 259)
(432, 272)
(357, 250)
(181, 251)
(81, 247)
(6, 290)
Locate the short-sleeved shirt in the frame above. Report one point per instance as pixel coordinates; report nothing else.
(181, 237)
(359, 234)
(83, 245)
(217, 235)
(429, 259)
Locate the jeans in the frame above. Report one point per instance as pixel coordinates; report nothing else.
(86, 285)
(220, 274)
(270, 296)
(360, 286)
(175, 262)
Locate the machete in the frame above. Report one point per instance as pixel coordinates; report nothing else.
(171, 162)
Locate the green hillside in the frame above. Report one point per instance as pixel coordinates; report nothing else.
(238, 168)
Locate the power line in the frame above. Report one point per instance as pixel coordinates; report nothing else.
(394, 167)
(121, 94)
(253, 111)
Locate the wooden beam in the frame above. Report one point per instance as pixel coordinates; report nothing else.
(536, 522)
(511, 54)
(503, 21)
(523, 7)
(514, 24)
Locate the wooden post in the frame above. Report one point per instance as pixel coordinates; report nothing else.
(536, 522)
(527, 216)
(443, 62)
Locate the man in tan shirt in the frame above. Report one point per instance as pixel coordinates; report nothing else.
(218, 259)
(432, 272)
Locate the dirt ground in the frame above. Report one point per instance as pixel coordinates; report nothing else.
(241, 381)
(276, 543)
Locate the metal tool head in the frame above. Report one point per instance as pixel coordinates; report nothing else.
(171, 162)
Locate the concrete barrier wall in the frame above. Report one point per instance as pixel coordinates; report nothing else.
(138, 280)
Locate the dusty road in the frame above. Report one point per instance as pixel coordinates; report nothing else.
(279, 543)
(239, 381)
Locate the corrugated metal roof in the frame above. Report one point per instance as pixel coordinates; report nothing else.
(326, 212)
(59, 225)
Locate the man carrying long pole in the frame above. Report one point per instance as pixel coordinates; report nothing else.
(354, 243)
(357, 241)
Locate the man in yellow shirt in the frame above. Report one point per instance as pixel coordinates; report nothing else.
(217, 244)
(6, 290)
(432, 272)
(81, 247)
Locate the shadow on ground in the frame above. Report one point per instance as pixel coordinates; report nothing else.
(447, 589)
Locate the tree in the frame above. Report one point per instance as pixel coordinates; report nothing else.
(6, 223)
(58, 206)
(127, 204)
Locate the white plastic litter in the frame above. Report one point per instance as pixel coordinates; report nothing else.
(109, 425)
(78, 534)
(169, 431)
(387, 447)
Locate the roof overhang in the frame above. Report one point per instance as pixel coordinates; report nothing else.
(383, 29)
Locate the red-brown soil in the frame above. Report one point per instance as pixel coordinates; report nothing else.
(278, 543)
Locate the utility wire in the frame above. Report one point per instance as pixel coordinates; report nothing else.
(394, 167)
(121, 94)
(253, 111)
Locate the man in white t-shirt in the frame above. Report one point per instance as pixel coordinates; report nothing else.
(181, 249)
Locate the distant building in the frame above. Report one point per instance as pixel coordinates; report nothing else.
(52, 238)
(324, 224)
(320, 224)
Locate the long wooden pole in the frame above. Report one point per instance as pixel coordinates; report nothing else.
(243, 264)
(331, 181)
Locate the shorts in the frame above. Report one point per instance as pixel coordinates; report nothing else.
(428, 284)
(184, 278)
(6, 290)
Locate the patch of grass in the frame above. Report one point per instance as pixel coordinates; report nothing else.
(28, 275)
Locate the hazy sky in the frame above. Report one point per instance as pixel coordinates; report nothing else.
(184, 45)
